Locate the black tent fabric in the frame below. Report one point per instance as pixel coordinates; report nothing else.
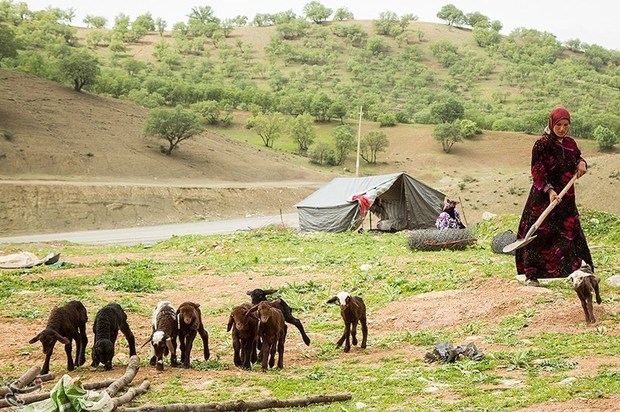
(401, 201)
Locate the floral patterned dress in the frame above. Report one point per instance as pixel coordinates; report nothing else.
(560, 244)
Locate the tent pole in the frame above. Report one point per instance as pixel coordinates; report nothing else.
(359, 138)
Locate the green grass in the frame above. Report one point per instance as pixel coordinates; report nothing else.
(390, 374)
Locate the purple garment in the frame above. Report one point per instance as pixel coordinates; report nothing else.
(560, 244)
(445, 221)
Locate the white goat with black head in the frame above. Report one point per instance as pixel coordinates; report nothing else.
(352, 310)
(164, 336)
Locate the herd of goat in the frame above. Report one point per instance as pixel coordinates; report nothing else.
(258, 330)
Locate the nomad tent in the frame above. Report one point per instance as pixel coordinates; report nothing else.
(400, 201)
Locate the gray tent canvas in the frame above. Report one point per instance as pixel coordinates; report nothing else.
(401, 201)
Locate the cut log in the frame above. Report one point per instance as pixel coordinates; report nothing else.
(131, 394)
(23, 380)
(240, 405)
(45, 395)
(125, 380)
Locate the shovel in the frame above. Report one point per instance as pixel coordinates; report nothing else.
(529, 236)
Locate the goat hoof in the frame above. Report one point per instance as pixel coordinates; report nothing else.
(347, 349)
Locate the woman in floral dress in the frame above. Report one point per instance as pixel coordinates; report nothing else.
(560, 245)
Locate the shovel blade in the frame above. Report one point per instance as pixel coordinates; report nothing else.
(517, 244)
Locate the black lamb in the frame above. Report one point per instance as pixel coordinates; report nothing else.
(108, 321)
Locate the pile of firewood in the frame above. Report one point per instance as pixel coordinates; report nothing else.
(20, 393)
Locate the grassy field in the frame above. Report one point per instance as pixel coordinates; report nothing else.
(537, 347)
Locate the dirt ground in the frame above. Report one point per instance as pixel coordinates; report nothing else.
(485, 301)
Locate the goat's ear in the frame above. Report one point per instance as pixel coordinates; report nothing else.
(148, 341)
(249, 292)
(333, 300)
(61, 338)
(196, 305)
(276, 302)
(270, 291)
(230, 323)
(36, 338)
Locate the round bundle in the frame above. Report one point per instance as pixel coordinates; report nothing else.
(503, 239)
(433, 239)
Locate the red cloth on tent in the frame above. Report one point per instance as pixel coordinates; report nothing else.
(364, 203)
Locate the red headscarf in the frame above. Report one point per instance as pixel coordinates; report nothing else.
(556, 115)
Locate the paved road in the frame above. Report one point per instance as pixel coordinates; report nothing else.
(152, 234)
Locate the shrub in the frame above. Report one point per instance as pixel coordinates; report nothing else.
(605, 138)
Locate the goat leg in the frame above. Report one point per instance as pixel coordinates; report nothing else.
(81, 342)
(236, 352)
(266, 351)
(297, 323)
(185, 357)
(596, 292)
(182, 343)
(273, 346)
(347, 336)
(354, 332)
(590, 309)
(68, 348)
(131, 339)
(281, 342)
(584, 305)
(205, 342)
(46, 365)
(364, 332)
(173, 354)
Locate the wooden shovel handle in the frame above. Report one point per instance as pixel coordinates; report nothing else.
(550, 207)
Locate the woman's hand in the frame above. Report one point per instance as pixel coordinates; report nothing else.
(581, 169)
(553, 196)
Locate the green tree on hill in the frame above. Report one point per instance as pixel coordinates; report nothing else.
(452, 15)
(342, 14)
(98, 22)
(317, 12)
(269, 126)
(81, 67)
(8, 44)
(373, 143)
(173, 125)
(344, 138)
(448, 134)
(302, 130)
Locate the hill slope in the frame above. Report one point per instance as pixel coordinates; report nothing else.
(75, 161)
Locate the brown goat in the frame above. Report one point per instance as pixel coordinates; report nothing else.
(190, 323)
(260, 295)
(352, 310)
(65, 323)
(244, 327)
(586, 284)
(272, 332)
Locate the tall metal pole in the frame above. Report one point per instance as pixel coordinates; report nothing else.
(359, 138)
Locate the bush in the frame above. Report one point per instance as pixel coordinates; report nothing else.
(322, 153)
(387, 120)
(469, 129)
(605, 138)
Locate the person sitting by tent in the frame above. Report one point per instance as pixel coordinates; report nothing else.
(450, 217)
